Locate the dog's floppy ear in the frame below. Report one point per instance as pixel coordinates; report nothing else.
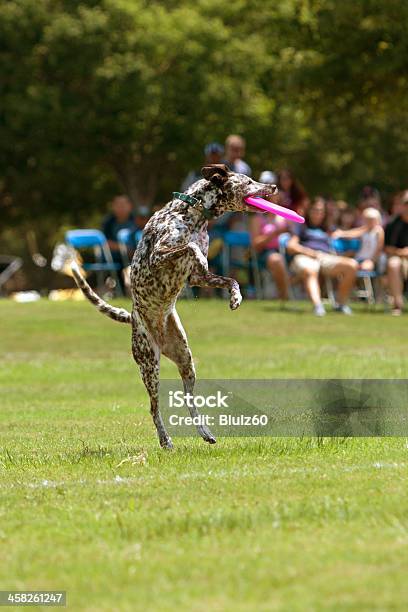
(216, 173)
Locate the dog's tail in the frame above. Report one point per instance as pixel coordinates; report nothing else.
(117, 314)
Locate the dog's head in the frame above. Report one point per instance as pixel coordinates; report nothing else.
(224, 191)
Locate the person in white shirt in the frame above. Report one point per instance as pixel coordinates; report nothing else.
(371, 235)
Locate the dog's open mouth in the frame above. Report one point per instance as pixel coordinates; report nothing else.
(266, 194)
(262, 200)
(261, 194)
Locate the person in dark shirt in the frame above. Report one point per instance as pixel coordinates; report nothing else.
(121, 217)
(396, 247)
(312, 253)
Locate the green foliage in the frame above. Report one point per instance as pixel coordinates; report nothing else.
(98, 97)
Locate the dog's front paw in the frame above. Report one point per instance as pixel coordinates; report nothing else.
(235, 300)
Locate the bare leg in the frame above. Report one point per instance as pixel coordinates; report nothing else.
(176, 348)
(147, 355)
(395, 281)
(221, 282)
(277, 269)
(311, 278)
(346, 269)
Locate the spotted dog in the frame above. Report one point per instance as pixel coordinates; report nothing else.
(174, 250)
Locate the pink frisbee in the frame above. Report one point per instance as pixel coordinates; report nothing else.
(262, 204)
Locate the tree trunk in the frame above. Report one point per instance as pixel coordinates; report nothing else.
(138, 180)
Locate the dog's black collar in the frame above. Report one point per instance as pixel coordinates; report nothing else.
(189, 199)
(195, 203)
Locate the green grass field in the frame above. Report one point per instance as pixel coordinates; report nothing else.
(91, 505)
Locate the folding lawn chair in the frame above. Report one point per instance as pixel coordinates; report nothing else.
(96, 240)
(128, 239)
(341, 246)
(241, 239)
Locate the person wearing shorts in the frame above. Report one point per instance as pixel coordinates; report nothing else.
(310, 247)
(396, 247)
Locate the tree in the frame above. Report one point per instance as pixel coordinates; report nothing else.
(114, 95)
(115, 90)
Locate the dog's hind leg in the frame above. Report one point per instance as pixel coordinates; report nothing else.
(146, 353)
(176, 348)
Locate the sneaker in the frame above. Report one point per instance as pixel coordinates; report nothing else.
(396, 312)
(344, 309)
(319, 310)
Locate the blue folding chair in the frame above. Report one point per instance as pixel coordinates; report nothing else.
(96, 240)
(343, 245)
(128, 239)
(240, 239)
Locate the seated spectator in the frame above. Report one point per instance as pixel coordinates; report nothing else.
(370, 198)
(234, 152)
(291, 192)
(347, 216)
(213, 153)
(311, 249)
(396, 247)
(371, 234)
(396, 205)
(264, 230)
(121, 217)
(333, 213)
